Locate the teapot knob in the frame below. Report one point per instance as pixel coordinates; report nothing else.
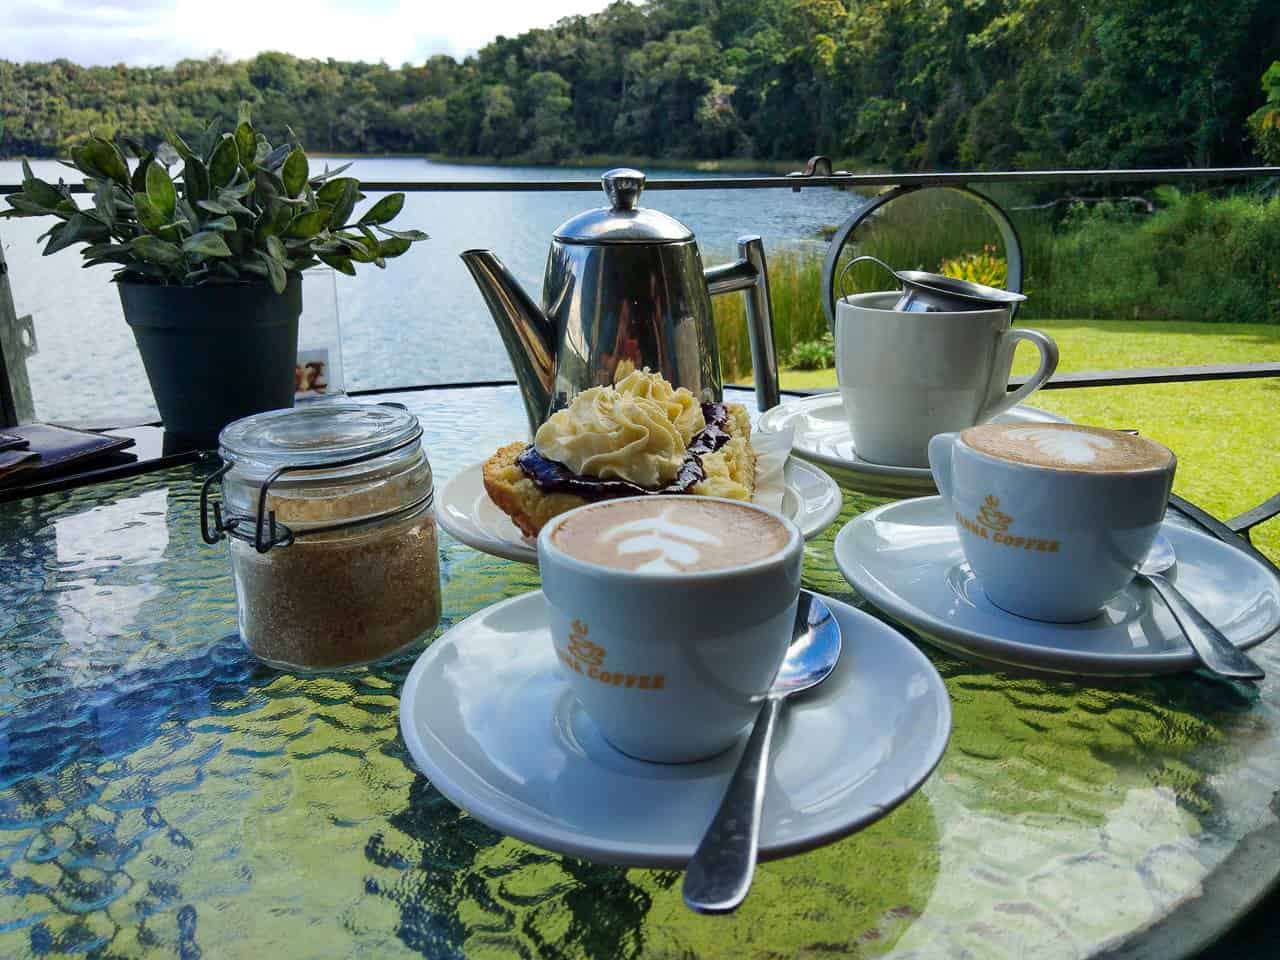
(623, 187)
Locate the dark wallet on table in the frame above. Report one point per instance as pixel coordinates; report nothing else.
(35, 452)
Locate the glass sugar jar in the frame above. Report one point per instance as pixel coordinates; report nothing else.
(327, 509)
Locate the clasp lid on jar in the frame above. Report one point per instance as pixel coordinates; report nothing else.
(322, 440)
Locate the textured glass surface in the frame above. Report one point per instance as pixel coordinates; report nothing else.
(163, 794)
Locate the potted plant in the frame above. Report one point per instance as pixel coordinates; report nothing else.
(210, 257)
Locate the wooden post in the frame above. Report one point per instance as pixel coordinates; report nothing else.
(17, 342)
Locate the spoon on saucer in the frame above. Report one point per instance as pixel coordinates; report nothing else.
(719, 875)
(1214, 650)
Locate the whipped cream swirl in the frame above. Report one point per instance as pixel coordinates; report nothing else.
(637, 430)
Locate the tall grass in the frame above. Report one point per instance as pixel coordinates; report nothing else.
(1197, 258)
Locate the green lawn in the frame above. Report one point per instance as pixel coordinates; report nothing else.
(1225, 433)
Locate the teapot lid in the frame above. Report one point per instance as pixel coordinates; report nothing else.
(622, 221)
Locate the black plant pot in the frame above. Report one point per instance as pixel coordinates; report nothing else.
(215, 353)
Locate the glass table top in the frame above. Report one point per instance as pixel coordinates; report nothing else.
(162, 793)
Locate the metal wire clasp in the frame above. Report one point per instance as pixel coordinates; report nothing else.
(268, 532)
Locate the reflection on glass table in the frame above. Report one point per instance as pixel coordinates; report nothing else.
(162, 793)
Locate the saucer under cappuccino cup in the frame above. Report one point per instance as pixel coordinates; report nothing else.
(905, 377)
(1053, 518)
(670, 616)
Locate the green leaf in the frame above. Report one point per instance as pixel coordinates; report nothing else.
(358, 248)
(206, 244)
(275, 249)
(211, 207)
(136, 148)
(107, 251)
(156, 250)
(268, 186)
(148, 215)
(411, 235)
(339, 263)
(108, 160)
(224, 162)
(160, 190)
(279, 279)
(246, 144)
(83, 161)
(37, 191)
(223, 268)
(235, 206)
(294, 173)
(138, 181)
(196, 180)
(385, 209)
(225, 224)
(308, 224)
(274, 158)
(104, 201)
(331, 191)
(393, 246)
(237, 191)
(328, 174)
(22, 207)
(180, 145)
(79, 229)
(343, 204)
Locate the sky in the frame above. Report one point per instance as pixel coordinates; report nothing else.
(156, 32)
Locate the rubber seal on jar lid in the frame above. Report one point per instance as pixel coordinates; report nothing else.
(318, 433)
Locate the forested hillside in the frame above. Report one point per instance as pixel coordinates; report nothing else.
(904, 84)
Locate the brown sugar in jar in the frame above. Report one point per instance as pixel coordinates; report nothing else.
(351, 573)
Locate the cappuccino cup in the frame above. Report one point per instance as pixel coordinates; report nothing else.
(670, 616)
(905, 377)
(1053, 518)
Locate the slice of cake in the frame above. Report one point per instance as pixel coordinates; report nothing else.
(639, 436)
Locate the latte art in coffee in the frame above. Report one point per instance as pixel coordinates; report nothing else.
(1067, 446)
(670, 535)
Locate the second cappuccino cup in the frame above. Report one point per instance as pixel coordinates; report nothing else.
(670, 616)
(1054, 518)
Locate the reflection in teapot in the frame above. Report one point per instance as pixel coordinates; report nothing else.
(624, 285)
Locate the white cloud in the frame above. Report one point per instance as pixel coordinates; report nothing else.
(142, 32)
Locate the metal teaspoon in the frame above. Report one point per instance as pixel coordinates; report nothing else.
(719, 875)
(1214, 650)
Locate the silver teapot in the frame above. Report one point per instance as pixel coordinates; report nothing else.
(624, 285)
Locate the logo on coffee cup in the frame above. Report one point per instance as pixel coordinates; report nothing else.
(582, 656)
(582, 648)
(992, 524)
(990, 515)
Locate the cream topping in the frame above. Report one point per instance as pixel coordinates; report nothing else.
(637, 430)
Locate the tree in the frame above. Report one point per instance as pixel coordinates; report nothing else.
(549, 130)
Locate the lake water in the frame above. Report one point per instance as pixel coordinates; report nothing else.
(419, 321)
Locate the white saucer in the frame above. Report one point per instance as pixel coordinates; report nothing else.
(906, 559)
(811, 499)
(487, 716)
(822, 436)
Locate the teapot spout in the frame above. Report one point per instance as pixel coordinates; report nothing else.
(526, 332)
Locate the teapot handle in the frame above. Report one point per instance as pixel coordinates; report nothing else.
(750, 273)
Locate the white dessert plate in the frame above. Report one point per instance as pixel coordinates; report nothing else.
(811, 499)
(822, 436)
(906, 559)
(489, 719)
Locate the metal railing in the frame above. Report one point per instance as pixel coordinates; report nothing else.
(818, 173)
